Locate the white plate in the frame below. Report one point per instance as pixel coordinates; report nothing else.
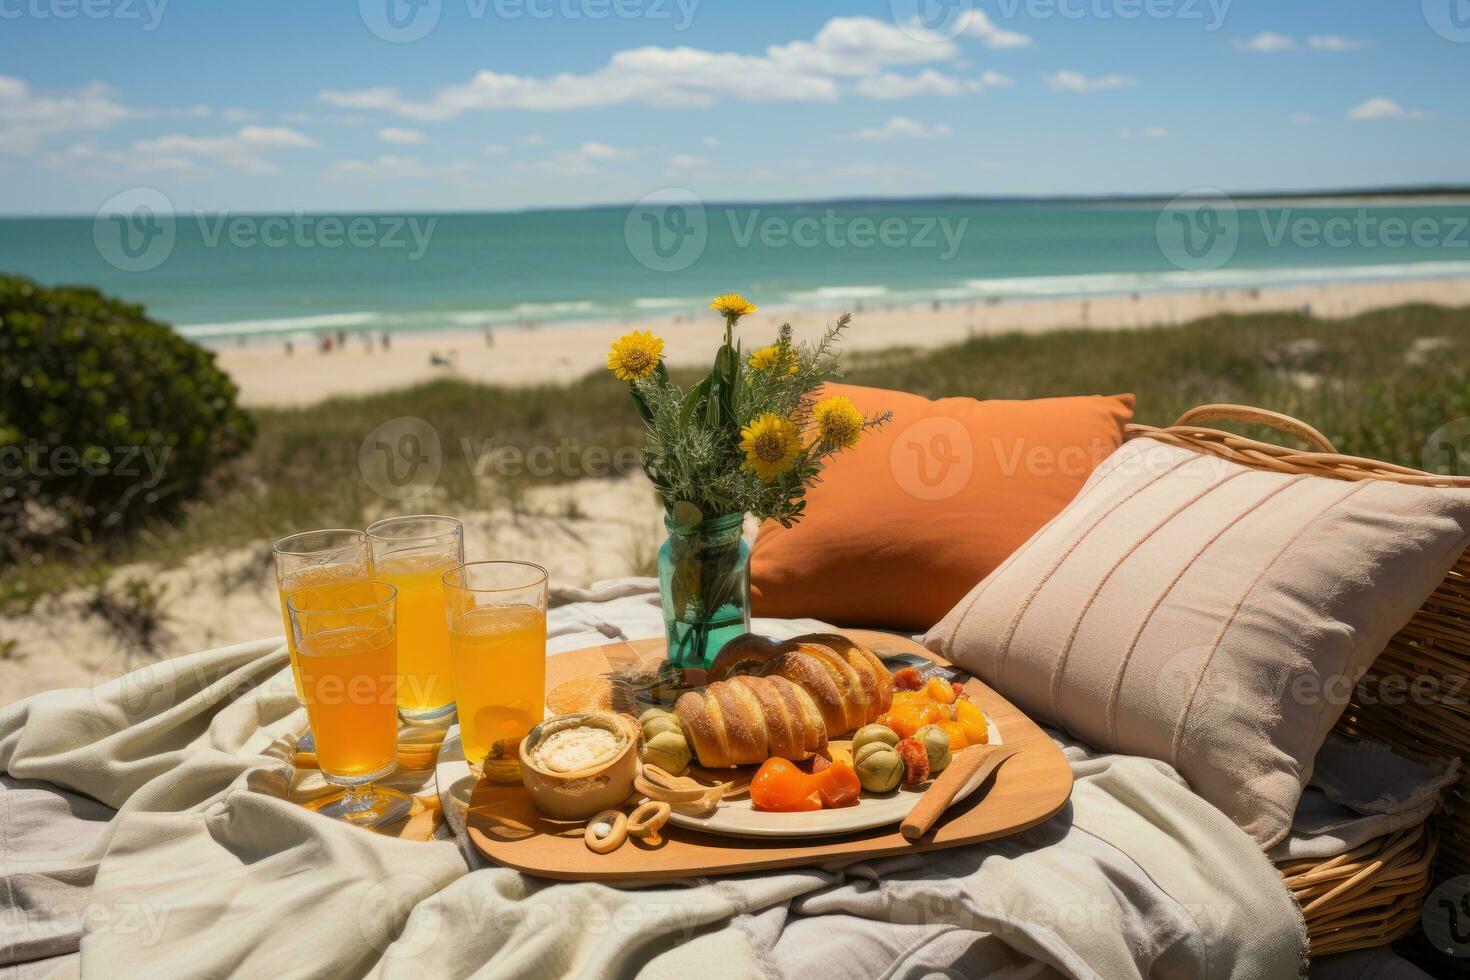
(737, 818)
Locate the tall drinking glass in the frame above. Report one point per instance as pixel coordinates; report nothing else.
(315, 558)
(497, 633)
(347, 641)
(412, 554)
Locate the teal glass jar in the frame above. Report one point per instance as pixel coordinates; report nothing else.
(704, 582)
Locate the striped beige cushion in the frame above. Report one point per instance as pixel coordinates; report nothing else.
(1193, 610)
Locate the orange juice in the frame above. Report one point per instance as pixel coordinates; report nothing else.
(500, 677)
(311, 578)
(350, 676)
(426, 672)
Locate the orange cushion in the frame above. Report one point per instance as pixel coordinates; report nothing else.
(904, 524)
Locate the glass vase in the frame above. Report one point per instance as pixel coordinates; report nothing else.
(704, 582)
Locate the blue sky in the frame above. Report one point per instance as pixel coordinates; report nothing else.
(286, 105)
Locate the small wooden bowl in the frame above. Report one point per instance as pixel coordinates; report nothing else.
(586, 792)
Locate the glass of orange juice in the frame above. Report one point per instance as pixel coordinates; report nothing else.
(497, 637)
(412, 554)
(314, 558)
(347, 644)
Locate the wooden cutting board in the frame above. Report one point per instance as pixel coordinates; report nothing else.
(505, 827)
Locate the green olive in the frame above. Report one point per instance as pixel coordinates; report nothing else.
(870, 734)
(667, 750)
(651, 714)
(936, 742)
(879, 768)
(660, 724)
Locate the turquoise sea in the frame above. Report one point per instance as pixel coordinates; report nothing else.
(221, 276)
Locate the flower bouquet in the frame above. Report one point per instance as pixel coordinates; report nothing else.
(749, 438)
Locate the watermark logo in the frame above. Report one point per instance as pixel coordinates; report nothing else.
(400, 21)
(1198, 230)
(667, 231)
(1446, 917)
(1201, 679)
(933, 458)
(931, 20)
(1447, 450)
(135, 230)
(390, 918)
(1450, 19)
(401, 458)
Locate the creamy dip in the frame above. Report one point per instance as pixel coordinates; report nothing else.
(577, 748)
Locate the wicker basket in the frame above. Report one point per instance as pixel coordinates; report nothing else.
(1373, 895)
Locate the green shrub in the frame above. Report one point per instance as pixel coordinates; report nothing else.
(106, 416)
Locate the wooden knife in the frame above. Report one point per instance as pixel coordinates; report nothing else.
(941, 793)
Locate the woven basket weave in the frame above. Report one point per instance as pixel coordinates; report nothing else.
(1416, 698)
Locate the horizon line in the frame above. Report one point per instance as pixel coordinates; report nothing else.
(1404, 191)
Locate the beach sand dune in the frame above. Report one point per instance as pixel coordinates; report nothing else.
(583, 532)
(559, 353)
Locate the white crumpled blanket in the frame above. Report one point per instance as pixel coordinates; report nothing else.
(206, 869)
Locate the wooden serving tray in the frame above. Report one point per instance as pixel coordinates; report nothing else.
(506, 828)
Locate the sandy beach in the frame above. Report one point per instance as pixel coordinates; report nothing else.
(561, 352)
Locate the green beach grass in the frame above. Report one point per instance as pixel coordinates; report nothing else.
(1379, 385)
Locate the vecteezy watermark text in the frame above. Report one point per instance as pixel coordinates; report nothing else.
(304, 230)
(667, 231)
(136, 230)
(404, 21)
(37, 460)
(944, 20)
(149, 13)
(1201, 229)
(832, 229)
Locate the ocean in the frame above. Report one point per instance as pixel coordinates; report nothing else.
(221, 276)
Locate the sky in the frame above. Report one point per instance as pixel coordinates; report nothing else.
(374, 105)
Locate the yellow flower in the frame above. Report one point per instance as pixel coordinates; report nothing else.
(733, 306)
(635, 355)
(771, 445)
(839, 423)
(770, 358)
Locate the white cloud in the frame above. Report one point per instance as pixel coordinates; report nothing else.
(531, 139)
(1302, 118)
(246, 150)
(711, 141)
(389, 166)
(1074, 81)
(882, 172)
(978, 25)
(601, 151)
(1384, 108)
(1334, 42)
(398, 134)
(891, 85)
(902, 127)
(239, 115)
(802, 71)
(27, 117)
(495, 150)
(684, 162)
(581, 162)
(1266, 42)
(1270, 42)
(1154, 132)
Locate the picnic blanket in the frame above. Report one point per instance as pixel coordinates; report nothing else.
(147, 828)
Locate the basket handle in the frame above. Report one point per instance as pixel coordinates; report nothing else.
(1260, 416)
